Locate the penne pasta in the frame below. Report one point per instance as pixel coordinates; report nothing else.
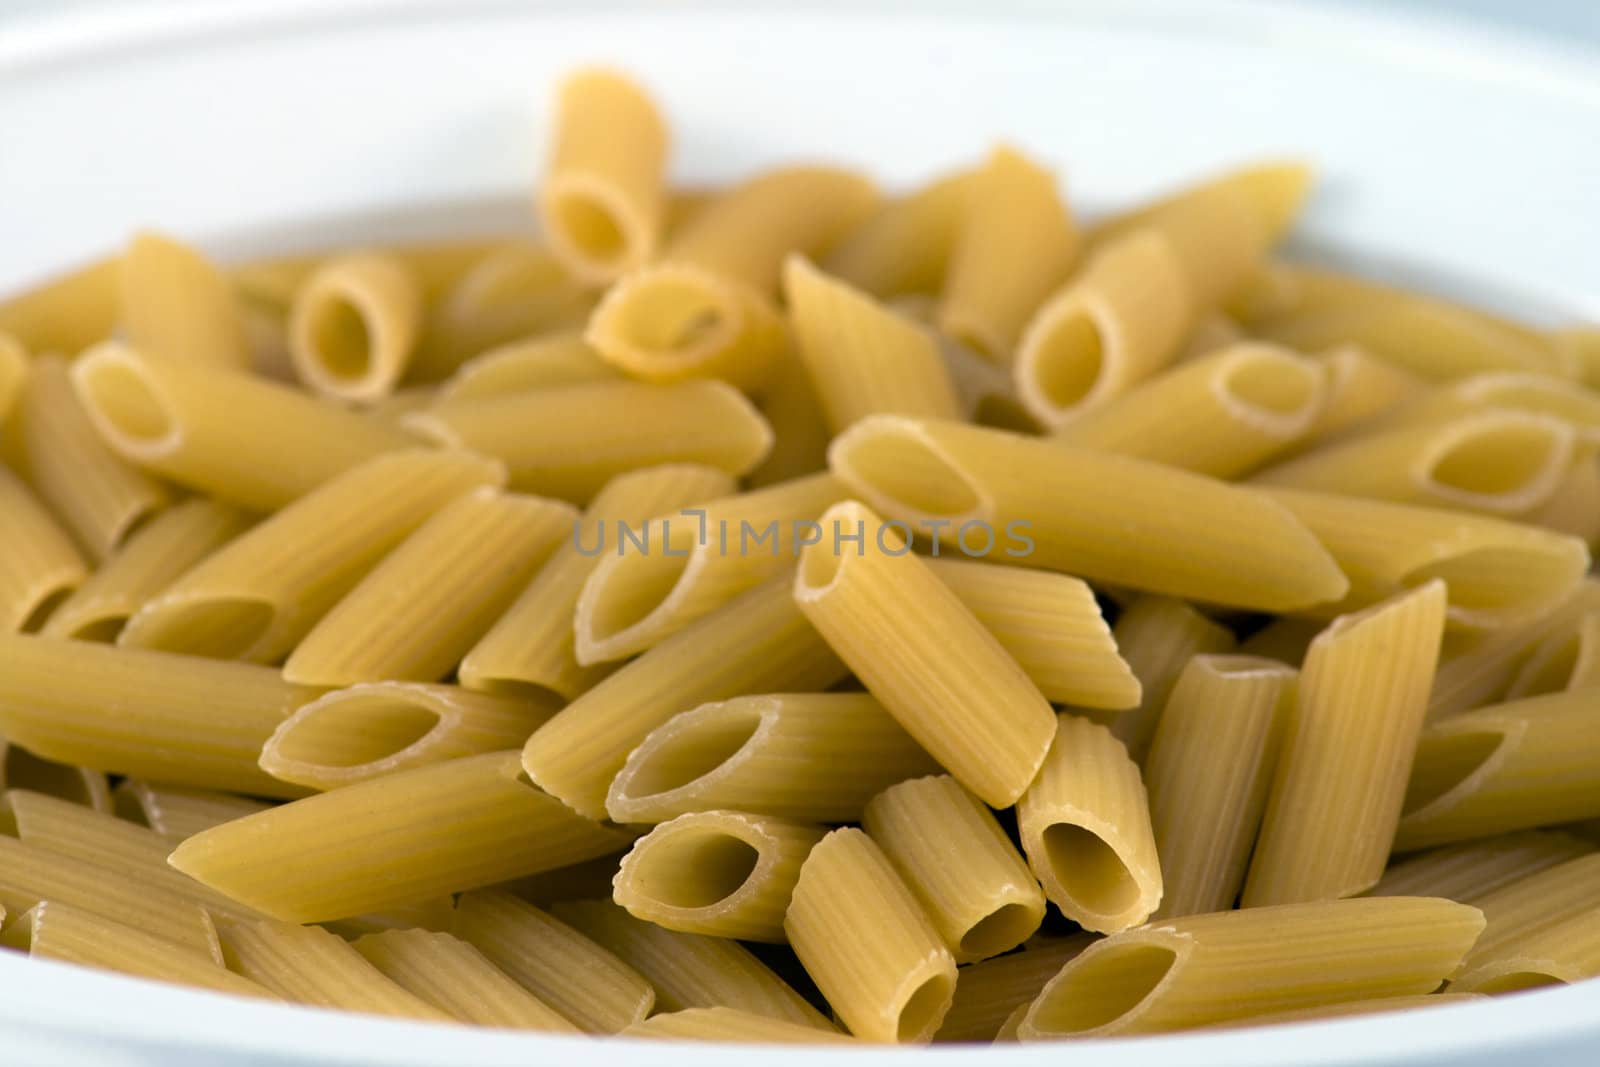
(1375, 1006)
(1207, 969)
(171, 718)
(176, 812)
(174, 302)
(532, 647)
(1565, 660)
(718, 873)
(547, 361)
(867, 942)
(1222, 414)
(431, 913)
(1085, 827)
(1470, 871)
(354, 325)
(457, 979)
(758, 642)
(376, 728)
(1086, 512)
(68, 312)
(442, 828)
(259, 595)
(1210, 765)
(1574, 506)
(208, 429)
(1532, 905)
(731, 1024)
(14, 364)
(990, 992)
(800, 436)
(688, 970)
(1015, 243)
(1361, 391)
(1565, 953)
(1285, 640)
(817, 757)
(1274, 191)
(977, 713)
(603, 199)
(1582, 346)
(1336, 796)
(544, 436)
(21, 769)
(426, 604)
(99, 496)
(564, 969)
(905, 246)
(1157, 636)
(982, 904)
(39, 566)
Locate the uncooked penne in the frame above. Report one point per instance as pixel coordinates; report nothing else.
(1499, 573)
(209, 429)
(457, 979)
(862, 357)
(603, 199)
(377, 728)
(153, 557)
(1361, 389)
(426, 604)
(989, 992)
(905, 247)
(1344, 1009)
(1528, 907)
(545, 437)
(983, 903)
(1085, 827)
(688, 970)
(1275, 191)
(1574, 507)
(811, 756)
(170, 718)
(39, 565)
(1015, 243)
(177, 812)
(1567, 952)
(354, 325)
(532, 646)
(1567, 659)
(976, 712)
(543, 362)
(1086, 513)
(1471, 870)
(719, 873)
(1211, 763)
(1341, 778)
(442, 828)
(1223, 414)
(868, 943)
(14, 365)
(1206, 969)
(758, 642)
(571, 973)
(99, 496)
(21, 769)
(68, 312)
(731, 1024)
(173, 301)
(259, 595)
(800, 435)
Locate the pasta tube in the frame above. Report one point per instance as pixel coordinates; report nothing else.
(67, 313)
(176, 812)
(457, 979)
(1528, 907)
(1158, 636)
(731, 1024)
(988, 993)
(1470, 871)
(544, 362)
(905, 246)
(353, 326)
(21, 769)
(174, 302)
(39, 566)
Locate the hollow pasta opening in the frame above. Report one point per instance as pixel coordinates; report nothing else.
(21, 769)
(340, 339)
(44, 608)
(819, 567)
(1516, 981)
(1089, 869)
(127, 402)
(638, 584)
(353, 729)
(1069, 358)
(1005, 927)
(1272, 384)
(1497, 459)
(902, 467)
(693, 753)
(588, 225)
(925, 1008)
(670, 316)
(1444, 762)
(103, 629)
(216, 627)
(1101, 987)
(699, 867)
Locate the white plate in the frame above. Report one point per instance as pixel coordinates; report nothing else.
(1448, 155)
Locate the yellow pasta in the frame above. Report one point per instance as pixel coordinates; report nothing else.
(39, 566)
(1574, 507)
(1336, 797)
(1085, 826)
(532, 647)
(14, 365)
(681, 566)
(430, 913)
(176, 303)
(545, 437)
(1582, 346)
(862, 357)
(457, 979)
(377, 728)
(812, 756)
(1086, 513)
(1015, 244)
(176, 812)
(1361, 390)
(98, 495)
(1274, 191)
(1206, 969)
(21, 769)
(68, 312)
(955, 858)
(731, 1024)
(905, 246)
(1498, 573)
(1212, 332)
(688, 970)
(758, 642)
(1375, 1006)
(719, 873)
(1530, 906)
(1223, 414)
(1563, 661)
(1285, 639)
(988, 993)
(420, 610)
(865, 939)
(976, 712)
(1510, 766)
(574, 975)
(800, 436)
(544, 362)
(603, 199)
(1565, 953)
(353, 326)
(170, 718)
(1468, 872)
(259, 595)
(441, 828)
(210, 429)
(1210, 765)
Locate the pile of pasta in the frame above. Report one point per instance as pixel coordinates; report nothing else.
(794, 612)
